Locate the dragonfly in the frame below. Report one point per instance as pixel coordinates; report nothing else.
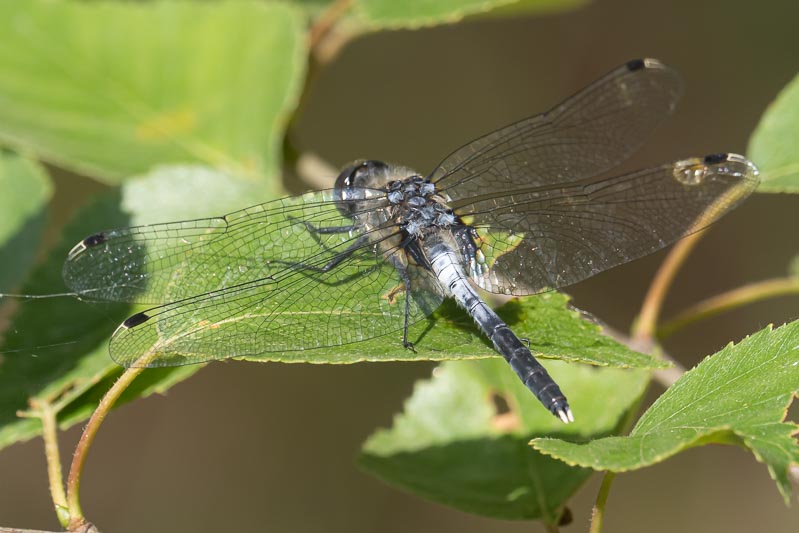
(530, 207)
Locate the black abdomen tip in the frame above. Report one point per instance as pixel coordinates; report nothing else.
(135, 320)
(94, 240)
(715, 159)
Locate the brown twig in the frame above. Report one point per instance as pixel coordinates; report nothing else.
(77, 519)
(646, 323)
(321, 29)
(730, 300)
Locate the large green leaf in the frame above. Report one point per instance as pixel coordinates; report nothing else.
(774, 145)
(25, 190)
(418, 13)
(738, 396)
(57, 348)
(453, 445)
(111, 88)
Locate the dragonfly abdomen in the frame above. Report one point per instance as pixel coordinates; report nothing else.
(445, 265)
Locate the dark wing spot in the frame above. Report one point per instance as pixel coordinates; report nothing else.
(135, 320)
(94, 240)
(714, 159)
(636, 64)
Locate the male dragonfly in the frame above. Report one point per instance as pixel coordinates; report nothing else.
(525, 209)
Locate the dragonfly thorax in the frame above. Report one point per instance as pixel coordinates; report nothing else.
(419, 208)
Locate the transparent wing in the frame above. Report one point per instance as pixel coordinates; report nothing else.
(589, 133)
(146, 264)
(547, 237)
(275, 277)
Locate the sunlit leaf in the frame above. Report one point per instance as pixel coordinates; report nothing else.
(110, 89)
(774, 146)
(738, 396)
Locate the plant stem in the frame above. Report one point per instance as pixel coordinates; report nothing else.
(54, 471)
(645, 324)
(598, 513)
(86, 439)
(322, 26)
(730, 300)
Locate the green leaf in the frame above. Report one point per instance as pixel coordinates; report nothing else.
(419, 13)
(56, 350)
(738, 396)
(161, 195)
(25, 191)
(451, 444)
(554, 330)
(774, 145)
(110, 89)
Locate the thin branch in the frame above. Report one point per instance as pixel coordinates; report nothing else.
(747, 294)
(666, 376)
(87, 437)
(47, 414)
(598, 512)
(321, 39)
(645, 324)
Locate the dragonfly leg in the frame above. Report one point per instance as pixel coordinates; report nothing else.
(333, 263)
(323, 231)
(407, 279)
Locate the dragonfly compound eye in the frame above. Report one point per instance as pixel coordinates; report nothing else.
(352, 182)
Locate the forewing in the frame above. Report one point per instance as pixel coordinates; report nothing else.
(548, 237)
(159, 263)
(589, 133)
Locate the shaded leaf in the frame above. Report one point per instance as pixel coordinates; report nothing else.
(738, 396)
(57, 349)
(25, 190)
(453, 445)
(774, 145)
(110, 89)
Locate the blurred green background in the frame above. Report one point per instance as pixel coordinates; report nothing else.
(252, 447)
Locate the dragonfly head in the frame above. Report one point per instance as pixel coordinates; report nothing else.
(355, 182)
